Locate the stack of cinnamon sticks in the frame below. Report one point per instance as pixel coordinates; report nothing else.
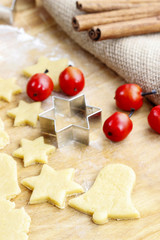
(105, 19)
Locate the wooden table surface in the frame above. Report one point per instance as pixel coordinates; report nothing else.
(141, 150)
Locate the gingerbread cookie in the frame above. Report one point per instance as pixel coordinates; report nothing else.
(4, 138)
(52, 186)
(110, 195)
(8, 177)
(14, 223)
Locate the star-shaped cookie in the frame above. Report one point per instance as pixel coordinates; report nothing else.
(14, 223)
(35, 151)
(52, 186)
(4, 138)
(25, 113)
(8, 177)
(54, 69)
(8, 88)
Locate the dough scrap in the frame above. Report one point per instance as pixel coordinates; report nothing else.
(8, 177)
(52, 186)
(4, 137)
(25, 113)
(14, 223)
(8, 88)
(110, 195)
(33, 151)
(54, 68)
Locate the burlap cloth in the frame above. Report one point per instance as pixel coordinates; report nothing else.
(136, 59)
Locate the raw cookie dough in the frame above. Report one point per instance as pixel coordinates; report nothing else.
(4, 138)
(14, 223)
(52, 186)
(33, 151)
(8, 177)
(8, 88)
(110, 195)
(25, 113)
(54, 68)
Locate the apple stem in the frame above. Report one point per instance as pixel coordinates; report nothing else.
(148, 93)
(131, 112)
(46, 71)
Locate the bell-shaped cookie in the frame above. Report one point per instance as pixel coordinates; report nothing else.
(110, 195)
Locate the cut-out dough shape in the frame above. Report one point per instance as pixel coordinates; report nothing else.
(14, 223)
(52, 186)
(25, 113)
(34, 151)
(4, 138)
(110, 195)
(8, 88)
(8, 177)
(54, 68)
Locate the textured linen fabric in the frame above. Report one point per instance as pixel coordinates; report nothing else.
(136, 59)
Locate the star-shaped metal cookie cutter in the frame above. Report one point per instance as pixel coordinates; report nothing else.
(67, 109)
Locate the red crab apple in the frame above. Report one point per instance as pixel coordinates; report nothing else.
(40, 86)
(118, 126)
(130, 96)
(71, 81)
(154, 119)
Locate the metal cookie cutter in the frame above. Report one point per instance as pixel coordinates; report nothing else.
(6, 13)
(69, 120)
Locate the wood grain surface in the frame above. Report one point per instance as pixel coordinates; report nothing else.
(141, 150)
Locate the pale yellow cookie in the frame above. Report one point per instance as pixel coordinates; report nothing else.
(4, 138)
(8, 88)
(8, 177)
(35, 151)
(14, 223)
(25, 113)
(52, 186)
(110, 195)
(54, 67)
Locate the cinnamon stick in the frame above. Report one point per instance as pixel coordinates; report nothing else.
(120, 1)
(124, 29)
(101, 6)
(87, 21)
(82, 3)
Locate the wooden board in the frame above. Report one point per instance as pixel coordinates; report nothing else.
(140, 150)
